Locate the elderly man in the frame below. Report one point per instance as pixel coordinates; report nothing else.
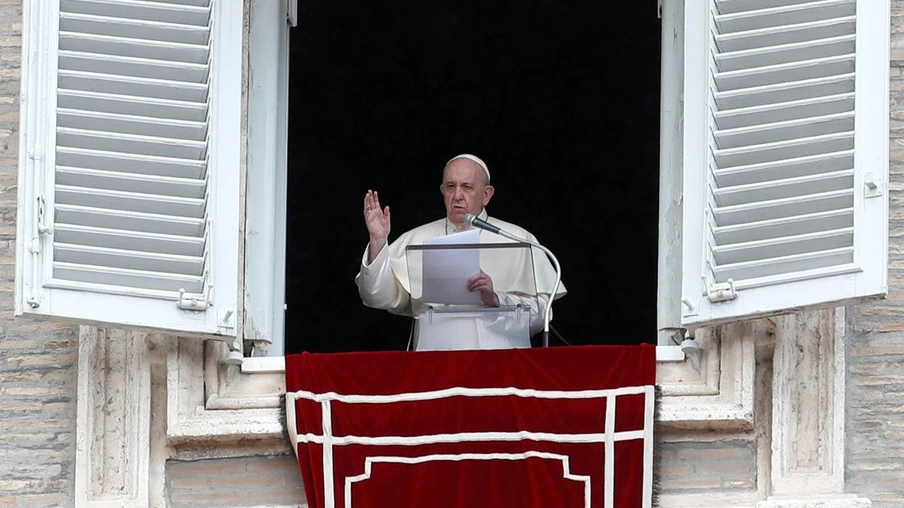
(383, 281)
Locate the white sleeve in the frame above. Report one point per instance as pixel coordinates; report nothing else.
(377, 285)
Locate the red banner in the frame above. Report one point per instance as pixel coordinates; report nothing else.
(544, 427)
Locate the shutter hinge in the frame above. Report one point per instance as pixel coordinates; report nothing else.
(689, 308)
(659, 9)
(720, 292)
(43, 229)
(226, 319)
(35, 247)
(873, 186)
(192, 301)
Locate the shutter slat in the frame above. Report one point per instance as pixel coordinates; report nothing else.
(136, 48)
(785, 73)
(786, 34)
(784, 111)
(791, 168)
(783, 150)
(784, 246)
(106, 228)
(135, 28)
(133, 105)
(128, 259)
(796, 52)
(141, 87)
(789, 207)
(784, 92)
(124, 277)
(131, 124)
(130, 201)
(777, 132)
(199, 3)
(735, 6)
(140, 10)
(99, 179)
(134, 67)
(784, 226)
(147, 244)
(788, 264)
(142, 164)
(737, 21)
(141, 145)
(770, 190)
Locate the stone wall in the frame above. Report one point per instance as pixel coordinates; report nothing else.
(37, 359)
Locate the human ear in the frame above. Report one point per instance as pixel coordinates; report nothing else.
(488, 194)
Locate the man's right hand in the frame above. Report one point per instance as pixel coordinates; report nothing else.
(377, 221)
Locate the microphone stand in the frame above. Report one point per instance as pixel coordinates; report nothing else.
(486, 226)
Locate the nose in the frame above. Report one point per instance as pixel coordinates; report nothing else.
(458, 194)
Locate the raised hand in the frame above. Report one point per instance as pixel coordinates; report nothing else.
(377, 221)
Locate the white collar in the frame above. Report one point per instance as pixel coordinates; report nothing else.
(452, 228)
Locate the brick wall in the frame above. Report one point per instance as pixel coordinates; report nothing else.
(875, 351)
(249, 481)
(687, 468)
(700, 467)
(37, 360)
(875, 417)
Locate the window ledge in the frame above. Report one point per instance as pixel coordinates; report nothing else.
(264, 365)
(669, 354)
(277, 364)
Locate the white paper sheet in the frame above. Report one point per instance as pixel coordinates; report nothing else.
(446, 271)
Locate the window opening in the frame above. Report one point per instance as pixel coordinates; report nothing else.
(563, 104)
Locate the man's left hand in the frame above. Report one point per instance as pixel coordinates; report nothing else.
(484, 283)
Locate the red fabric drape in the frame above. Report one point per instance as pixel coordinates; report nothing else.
(440, 437)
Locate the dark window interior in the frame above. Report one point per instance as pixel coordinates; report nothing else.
(561, 99)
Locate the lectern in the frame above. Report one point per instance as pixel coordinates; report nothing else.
(449, 317)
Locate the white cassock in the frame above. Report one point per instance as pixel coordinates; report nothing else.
(518, 279)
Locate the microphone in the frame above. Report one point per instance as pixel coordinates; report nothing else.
(482, 224)
(476, 222)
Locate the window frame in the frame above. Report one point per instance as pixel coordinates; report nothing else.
(671, 143)
(263, 290)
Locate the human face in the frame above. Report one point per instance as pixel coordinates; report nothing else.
(464, 190)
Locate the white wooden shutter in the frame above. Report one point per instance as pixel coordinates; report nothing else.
(129, 172)
(785, 155)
